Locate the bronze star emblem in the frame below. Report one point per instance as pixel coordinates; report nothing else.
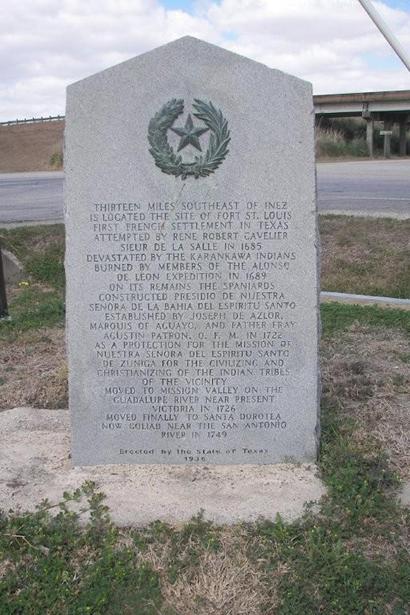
(189, 134)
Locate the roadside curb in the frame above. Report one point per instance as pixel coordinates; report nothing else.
(9, 225)
(364, 214)
(386, 302)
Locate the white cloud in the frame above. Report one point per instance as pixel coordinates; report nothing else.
(47, 44)
(328, 42)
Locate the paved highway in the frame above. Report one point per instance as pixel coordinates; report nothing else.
(31, 197)
(369, 187)
(380, 187)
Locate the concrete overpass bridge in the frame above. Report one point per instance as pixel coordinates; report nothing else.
(387, 107)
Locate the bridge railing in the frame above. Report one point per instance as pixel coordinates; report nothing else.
(33, 120)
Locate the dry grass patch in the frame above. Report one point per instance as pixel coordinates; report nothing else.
(381, 545)
(214, 581)
(6, 566)
(363, 373)
(365, 255)
(33, 370)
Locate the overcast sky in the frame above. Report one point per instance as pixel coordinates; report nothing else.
(47, 44)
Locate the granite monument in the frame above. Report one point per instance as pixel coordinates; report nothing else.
(192, 298)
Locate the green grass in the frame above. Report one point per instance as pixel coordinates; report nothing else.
(404, 357)
(337, 317)
(329, 147)
(40, 300)
(24, 241)
(59, 567)
(368, 256)
(346, 558)
(48, 267)
(32, 308)
(327, 568)
(333, 141)
(327, 577)
(318, 564)
(56, 160)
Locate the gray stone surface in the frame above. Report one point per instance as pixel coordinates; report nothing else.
(192, 303)
(35, 465)
(13, 269)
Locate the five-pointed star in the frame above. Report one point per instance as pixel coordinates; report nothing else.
(189, 134)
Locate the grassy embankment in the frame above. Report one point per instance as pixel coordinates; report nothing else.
(35, 146)
(349, 556)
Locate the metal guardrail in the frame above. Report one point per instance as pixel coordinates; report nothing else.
(33, 120)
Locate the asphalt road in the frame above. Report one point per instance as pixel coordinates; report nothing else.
(367, 187)
(380, 188)
(31, 197)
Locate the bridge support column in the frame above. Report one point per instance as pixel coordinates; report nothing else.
(388, 125)
(403, 136)
(370, 136)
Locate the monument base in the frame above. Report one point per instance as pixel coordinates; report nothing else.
(35, 464)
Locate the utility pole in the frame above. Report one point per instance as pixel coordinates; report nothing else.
(386, 31)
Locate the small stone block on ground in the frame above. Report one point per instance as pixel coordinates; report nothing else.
(12, 268)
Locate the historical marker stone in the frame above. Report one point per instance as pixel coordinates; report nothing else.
(191, 261)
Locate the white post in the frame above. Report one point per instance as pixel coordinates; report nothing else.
(385, 30)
